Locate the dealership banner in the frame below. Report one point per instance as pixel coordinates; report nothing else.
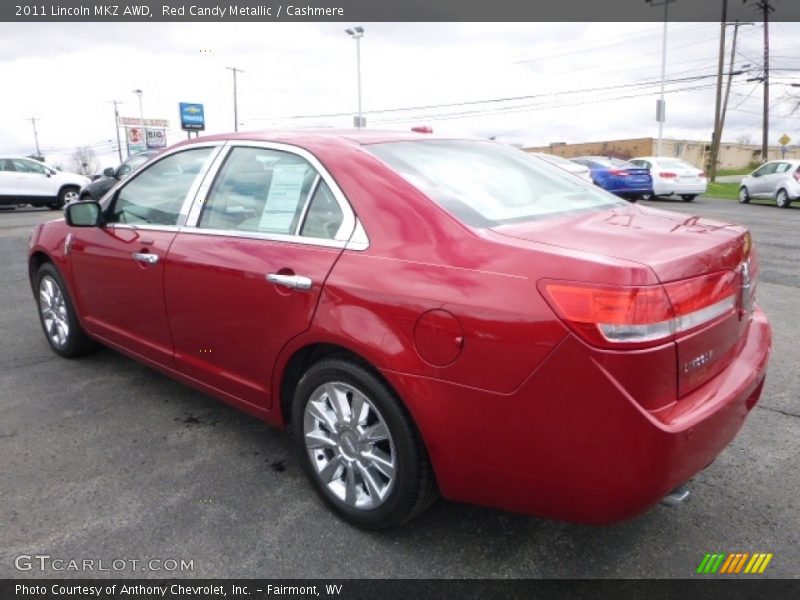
(135, 137)
(382, 10)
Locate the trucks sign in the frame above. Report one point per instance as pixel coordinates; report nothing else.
(192, 117)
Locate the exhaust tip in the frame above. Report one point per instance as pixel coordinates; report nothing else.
(676, 497)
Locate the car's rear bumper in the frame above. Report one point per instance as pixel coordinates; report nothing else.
(630, 191)
(570, 443)
(664, 189)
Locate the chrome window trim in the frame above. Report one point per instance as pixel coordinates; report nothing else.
(143, 227)
(346, 231)
(268, 237)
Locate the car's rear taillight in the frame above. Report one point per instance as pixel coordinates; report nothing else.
(618, 172)
(701, 174)
(640, 316)
(667, 175)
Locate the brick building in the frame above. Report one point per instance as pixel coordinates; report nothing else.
(731, 155)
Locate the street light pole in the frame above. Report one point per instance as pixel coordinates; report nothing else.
(140, 93)
(116, 127)
(661, 105)
(357, 33)
(235, 99)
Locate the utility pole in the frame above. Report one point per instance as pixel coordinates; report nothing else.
(731, 73)
(235, 101)
(764, 5)
(718, 129)
(35, 135)
(116, 126)
(715, 138)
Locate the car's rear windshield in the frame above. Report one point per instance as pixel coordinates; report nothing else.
(612, 163)
(674, 164)
(486, 184)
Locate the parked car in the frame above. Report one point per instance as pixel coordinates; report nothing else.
(618, 176)
(27, 181)
(98, 188)
(778, 179)
(673, 177)
(424, 314)
(566, 164)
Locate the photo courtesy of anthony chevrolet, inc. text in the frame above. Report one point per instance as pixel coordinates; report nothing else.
(357, 299)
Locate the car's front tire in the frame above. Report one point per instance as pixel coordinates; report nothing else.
(358, 446)
(688, 197)
(782, 199)
(67, 194)
(744, 195)
(57, 314)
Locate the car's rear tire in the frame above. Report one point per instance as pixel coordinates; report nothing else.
(647, 196)
(744, 195)
(782, 199)
(358, 446)
(57, 314)
(688, 197)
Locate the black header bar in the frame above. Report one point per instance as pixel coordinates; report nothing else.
(364, 11)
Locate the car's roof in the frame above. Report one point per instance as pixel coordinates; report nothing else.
(302, 137)
(657, 158)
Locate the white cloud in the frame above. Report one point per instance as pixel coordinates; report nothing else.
(67, 74)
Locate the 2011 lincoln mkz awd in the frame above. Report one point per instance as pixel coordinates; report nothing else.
(426, 315)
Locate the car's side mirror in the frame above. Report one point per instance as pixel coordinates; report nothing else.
(84, 214)
(109, 172)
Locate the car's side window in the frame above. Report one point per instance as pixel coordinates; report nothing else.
(28, 166)
(324, 215)
(6, 165)
(782, 167)
(259, 190)
(155, 195)
(131, 165)
(767, 169)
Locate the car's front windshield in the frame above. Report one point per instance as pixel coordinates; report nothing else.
(485, 184)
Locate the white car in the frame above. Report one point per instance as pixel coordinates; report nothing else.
(673, 176)
(28, 181)
(778, 179)
(581, 171)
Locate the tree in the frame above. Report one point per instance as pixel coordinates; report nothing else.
(84, 161)
(745, 139)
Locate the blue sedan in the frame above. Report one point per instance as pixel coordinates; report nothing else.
(618, 176)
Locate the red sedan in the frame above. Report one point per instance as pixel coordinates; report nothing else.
(426, 315)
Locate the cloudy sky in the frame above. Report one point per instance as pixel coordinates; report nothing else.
(541, 82)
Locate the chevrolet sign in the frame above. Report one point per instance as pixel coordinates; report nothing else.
(192, 117)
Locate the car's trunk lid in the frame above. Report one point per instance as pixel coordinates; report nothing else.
(676, 247)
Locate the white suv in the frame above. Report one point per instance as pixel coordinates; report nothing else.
(779, 179)
(28, 181)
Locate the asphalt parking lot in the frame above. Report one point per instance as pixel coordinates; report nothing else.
(103, 458)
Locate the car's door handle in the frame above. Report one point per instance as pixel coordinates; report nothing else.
(145, 257)
(294, 282)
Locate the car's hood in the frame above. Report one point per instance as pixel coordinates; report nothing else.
(673, 245)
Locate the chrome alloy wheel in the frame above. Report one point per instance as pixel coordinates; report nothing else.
(70, 196)
(350, 446)
(54, 311)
